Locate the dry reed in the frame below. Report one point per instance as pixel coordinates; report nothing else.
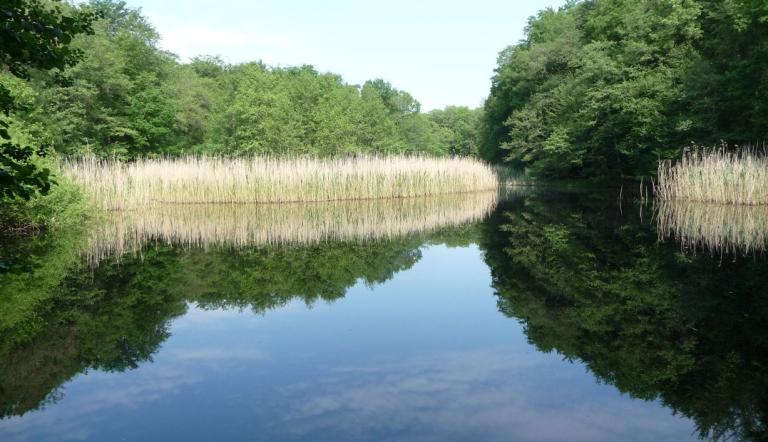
(715, 176)
(216, 225)
(117, 185)
(716, 228)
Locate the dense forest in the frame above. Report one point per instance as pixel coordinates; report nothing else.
(107, 88)
(606, 88)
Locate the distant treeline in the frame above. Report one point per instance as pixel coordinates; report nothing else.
(126, 97)
(605, 88)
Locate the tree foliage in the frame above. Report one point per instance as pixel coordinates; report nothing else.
(128, 98)
(34, 34)
(459, 128)
(605, 88)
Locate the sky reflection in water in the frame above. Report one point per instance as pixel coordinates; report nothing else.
(454, 334)
(425, 356)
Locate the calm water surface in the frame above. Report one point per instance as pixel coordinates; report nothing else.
(554, 318)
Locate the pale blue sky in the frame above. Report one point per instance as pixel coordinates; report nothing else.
(442, 52)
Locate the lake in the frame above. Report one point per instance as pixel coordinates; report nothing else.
(532, 315)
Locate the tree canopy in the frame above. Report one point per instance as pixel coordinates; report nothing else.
(127, 98)
(34, 34)
(606, 88)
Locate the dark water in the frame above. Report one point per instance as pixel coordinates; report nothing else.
(558, 318)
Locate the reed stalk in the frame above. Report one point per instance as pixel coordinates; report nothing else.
(715, 176)
(116, 185)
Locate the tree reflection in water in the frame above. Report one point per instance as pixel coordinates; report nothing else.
(597, 286)
(586, 280)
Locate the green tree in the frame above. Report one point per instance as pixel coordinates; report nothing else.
(459, 127)
(280, 111)
(398, 102)
(121, 92)
(33, 35)
(604, 89)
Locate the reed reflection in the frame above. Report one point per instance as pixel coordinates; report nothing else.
(714, 228)
(238, 226)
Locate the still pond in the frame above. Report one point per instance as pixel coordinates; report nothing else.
(527, 316)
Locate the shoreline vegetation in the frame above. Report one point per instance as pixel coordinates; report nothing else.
(594, 93)
(115, 185)
(715, 176)
(604, 89)
(715, 200)
(97, 82)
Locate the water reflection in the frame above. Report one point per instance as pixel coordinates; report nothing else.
(657, 323)
(588, 282)
(62, 318)
(215, 225)
(715, 228)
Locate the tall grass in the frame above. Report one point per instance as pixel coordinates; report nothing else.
(116, 185)
(715, 176)
(716, 228)
(236, 226)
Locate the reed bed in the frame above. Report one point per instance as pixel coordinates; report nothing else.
(116, 185)
(715, 176)
(237, 226)
(716, 228)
